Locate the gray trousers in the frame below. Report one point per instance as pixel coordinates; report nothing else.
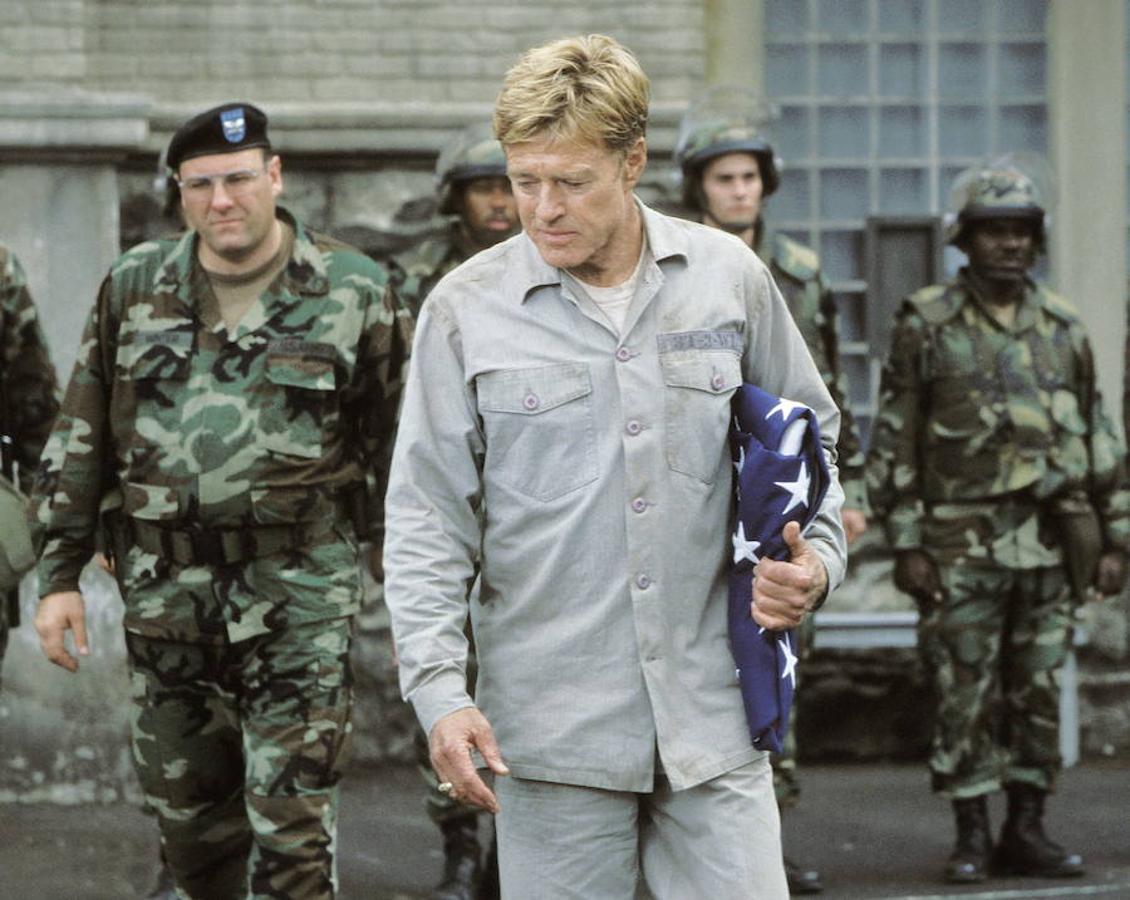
(721, 840)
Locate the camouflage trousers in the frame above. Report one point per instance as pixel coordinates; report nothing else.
(239, 750)
(993, 648)
(786, 784)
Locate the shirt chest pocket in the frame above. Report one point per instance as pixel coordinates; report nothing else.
(298, 406)
(697, 392)
(153, 370)
(540, 432)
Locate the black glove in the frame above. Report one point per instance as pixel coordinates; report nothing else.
(917, 574)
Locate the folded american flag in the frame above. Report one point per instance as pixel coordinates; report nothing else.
(781, 477)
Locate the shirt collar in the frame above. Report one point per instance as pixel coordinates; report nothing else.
(665, 239)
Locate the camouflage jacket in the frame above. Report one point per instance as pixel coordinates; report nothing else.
(418, 269)
(976, 415)
(796, 269)
(184, 426)
(29, 384)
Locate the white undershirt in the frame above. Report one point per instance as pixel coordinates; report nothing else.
(614, 301)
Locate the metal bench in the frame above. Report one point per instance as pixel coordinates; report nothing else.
(868, 630)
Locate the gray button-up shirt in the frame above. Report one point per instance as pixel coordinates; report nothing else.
(590, 474)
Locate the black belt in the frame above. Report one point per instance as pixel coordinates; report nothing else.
(223, 546)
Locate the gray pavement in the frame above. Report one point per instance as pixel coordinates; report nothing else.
(874, 830)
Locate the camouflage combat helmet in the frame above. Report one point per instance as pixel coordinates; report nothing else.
(473, 153)
(1014, 186)
(726, 119)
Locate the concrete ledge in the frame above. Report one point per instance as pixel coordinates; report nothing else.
(42, 125)
(36, 127)
(380, 127)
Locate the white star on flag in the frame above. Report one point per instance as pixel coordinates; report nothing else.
(798, 490)
(785, 408)
(739, 463)
(790, 661)
(743, 549)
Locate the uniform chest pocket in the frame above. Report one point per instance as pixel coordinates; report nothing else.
(150, 398)
(298, 409)
(540, 430)
(697, 392)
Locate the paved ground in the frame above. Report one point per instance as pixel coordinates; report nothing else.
(874, 830)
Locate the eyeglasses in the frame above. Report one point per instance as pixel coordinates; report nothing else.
(236, 183)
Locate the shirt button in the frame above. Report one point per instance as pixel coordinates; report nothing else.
(639, 504)
(643, 582)
(717, 382)
(623, 354)
(634, 427)
(531, 401)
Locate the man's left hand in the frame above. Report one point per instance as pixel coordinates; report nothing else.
(785, 591)
(1111, 573)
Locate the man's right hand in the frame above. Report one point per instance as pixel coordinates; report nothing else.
(450, 743)
(917, 574)
(57, 614)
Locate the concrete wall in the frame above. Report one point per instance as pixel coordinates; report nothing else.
(325, 51)
(361, 95)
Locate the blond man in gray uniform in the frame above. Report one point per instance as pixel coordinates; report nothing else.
(566, 424)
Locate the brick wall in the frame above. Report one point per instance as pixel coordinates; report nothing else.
(324, 51)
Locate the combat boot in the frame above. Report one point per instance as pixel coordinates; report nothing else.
(462, 863)
(1024, 849)
(969, 861)
(801, 879)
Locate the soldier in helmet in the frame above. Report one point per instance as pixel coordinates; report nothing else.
(999, 479)
(728, 170)
(473, 191)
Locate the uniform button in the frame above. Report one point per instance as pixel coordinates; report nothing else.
(643, 582)
(717, 382)
(623, 354)
(531, 401)
(634, 427)
(639, 504)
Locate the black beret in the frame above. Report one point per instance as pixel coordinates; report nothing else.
(227, 128)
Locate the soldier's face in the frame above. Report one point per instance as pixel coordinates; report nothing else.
(575, 201)
(490, 213)
(732, 189)
(1001, 249)
(233, 220)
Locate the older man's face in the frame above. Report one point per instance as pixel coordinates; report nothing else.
(575, 200)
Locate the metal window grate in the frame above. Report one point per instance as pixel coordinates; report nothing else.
(882, 103)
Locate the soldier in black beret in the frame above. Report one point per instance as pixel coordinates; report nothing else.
(253, 366)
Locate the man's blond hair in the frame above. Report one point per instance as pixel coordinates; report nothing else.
(588, 88)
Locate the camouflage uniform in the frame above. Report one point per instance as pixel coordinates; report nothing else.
(227, 461)
(418, 269)
(980, 429)
(29, 391)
